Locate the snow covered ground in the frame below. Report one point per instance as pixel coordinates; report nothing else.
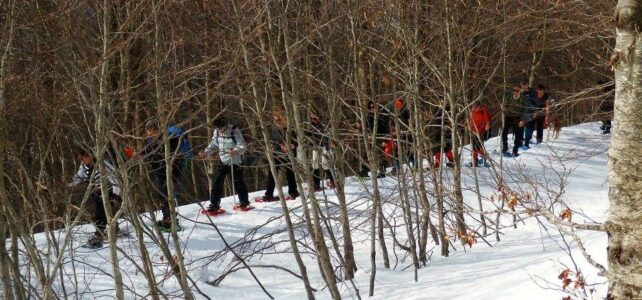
(523, 265)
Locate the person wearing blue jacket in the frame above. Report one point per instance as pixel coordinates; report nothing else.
(228, 140)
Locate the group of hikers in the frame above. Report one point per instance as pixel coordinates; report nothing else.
(526, 111)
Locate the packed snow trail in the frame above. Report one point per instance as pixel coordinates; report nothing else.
(518, 267)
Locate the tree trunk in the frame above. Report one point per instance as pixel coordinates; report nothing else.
(272, 164)
(339, 164)
(625, 158)
(5, 264)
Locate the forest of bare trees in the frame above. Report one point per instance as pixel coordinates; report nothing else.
(91, 74)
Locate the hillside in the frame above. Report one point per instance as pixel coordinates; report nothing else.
(524, 265)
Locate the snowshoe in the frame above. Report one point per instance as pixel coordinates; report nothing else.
(243, 208)
(330, 184)
(315, 190)
(266, 199)
(292, 196)
(94, 242)
(212, 212)
(166, 226)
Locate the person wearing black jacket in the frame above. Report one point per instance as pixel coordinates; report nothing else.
(515, 116)
(381, 131)
(606, 107)
(529, 96)
(441, 117)
(154, 153)
(539, 118)
(280, 150)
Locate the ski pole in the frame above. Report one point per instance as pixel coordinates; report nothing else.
(233, 182)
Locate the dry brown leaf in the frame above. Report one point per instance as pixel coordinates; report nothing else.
(566, 282)
(564, 274)
(512, 202)
(579, 283)
(471, 240)
(566, 214)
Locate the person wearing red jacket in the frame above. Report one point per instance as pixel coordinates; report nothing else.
(479, 122)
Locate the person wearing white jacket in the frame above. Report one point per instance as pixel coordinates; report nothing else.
(88, 173)
(228, 140)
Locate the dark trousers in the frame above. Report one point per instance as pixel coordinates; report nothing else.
(540, 123)
(219, 179)
(535, 125)
(100, 216)
(511, 123)
(159, 179)
(317, 177)
(271, 184)
(606, 126)
(383, 163)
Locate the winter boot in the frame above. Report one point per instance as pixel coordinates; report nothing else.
(95, 241)
(482, 163)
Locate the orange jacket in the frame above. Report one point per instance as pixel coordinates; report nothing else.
(389, 147)
(479, 120)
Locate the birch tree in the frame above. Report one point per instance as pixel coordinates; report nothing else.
(625, 157)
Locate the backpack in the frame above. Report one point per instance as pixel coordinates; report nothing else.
(185, 147)
(116, 151)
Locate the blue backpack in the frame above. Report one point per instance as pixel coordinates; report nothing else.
(185, 148)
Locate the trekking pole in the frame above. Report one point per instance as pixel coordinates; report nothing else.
(233, 184)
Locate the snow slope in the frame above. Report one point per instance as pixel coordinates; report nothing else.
(523, 265)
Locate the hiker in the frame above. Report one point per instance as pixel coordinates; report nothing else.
(439, 129)
(479, 122)
(321, 159)
(606, 107)
(529, 95)
(515, 116)
(228, 140)
(154, 152)
(184, 146)
(404, 133)
(280, 150)
(88, 172)
(390, 150)
(380, 131)
(538, 119)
